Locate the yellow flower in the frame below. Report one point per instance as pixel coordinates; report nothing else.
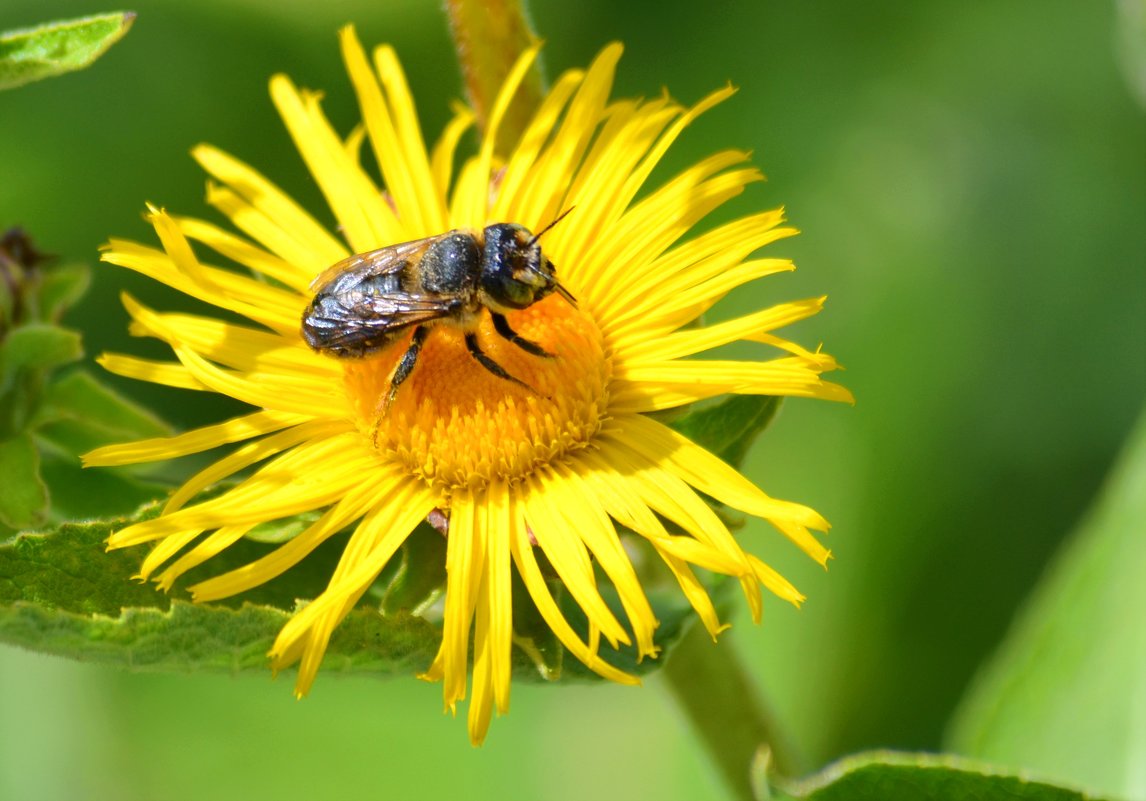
(553, 466)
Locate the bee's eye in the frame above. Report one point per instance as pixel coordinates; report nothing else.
(518, 293)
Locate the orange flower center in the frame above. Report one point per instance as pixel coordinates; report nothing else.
(456, 424)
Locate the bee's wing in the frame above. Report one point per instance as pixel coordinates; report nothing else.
(371, 318)
(385, 260)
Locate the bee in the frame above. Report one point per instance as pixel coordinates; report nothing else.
(370, 300)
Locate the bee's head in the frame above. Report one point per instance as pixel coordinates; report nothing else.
(515, 273)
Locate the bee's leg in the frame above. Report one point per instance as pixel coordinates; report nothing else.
(406, 366)
(501, 325)
(489, 364)
(401, 373)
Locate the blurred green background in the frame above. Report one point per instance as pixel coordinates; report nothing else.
(971, 183)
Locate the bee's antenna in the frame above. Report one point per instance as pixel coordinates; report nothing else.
(565, 293)
(549, 279)
(560, 217)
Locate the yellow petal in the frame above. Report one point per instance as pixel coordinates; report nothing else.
(200, 439)
(465, 556)
(699, 468)
(500, 595)
(396, 139)
(534, 582)
(310, 476)
(264, 211)
(377, 537)
(544, 192)
(470, 209)
(169, 374)
(275, 308)
(249, 454)
(519, 169)
(243, 252)
(363, 215)
(583, 513)
(213, 545)
(442, 162)
(412, 144)
(382, 489)
(695, 592)
(651, 386)
(569, 557)
(696, 340)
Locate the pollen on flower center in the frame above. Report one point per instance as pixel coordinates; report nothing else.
(455, 424)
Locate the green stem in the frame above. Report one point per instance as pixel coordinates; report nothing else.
(725, 708)
(489, 36)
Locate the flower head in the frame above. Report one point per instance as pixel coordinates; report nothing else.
(547, 463)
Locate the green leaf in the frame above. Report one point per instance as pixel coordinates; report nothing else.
(78, 412)
(38, 346)
(532, 635)
(729, 428)
(1066, 692)
(55, 48)
(60, 288)
(277, 532)
(421, 573)
(202, 638)
(61, 594)
(891, 776)
(23, 496)
(80, 494)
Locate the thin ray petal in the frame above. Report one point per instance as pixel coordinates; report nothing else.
(235, 346)
(545, 193)
(464, 562)
(668, 495)
(534, 581)
(249, 454)
(470, 208)
(382, 490)
(584, 514)
(243, 252)
(499, 590)
(569, 557)
(276, 309)
(282, 488)
(481, 704)
(286, 393)
(371, 546)
(170, 374)
(688, 343)
(412, 143)
(200, 439)
(519, 169)
(653, 386)
(395, 138)
(365, 218)
(213, 545)
(628, 132)
(282, 225)
(710, 475)
(442, 162)
(695, 592)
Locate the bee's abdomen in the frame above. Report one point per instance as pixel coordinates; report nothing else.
(330, 325)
